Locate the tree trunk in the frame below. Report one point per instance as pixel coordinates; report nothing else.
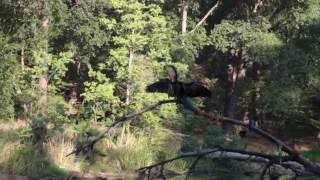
(40, 129)
(254, 109)
(128, 91)
(230, 99)
(230, 91)
(257, 4)
(22, 59)
(184, 18)
(44, 78)
(235, 71)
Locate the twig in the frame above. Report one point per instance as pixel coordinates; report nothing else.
(265, 169)
(89, 145)
(192, 167)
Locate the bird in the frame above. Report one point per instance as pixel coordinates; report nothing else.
(180, 90)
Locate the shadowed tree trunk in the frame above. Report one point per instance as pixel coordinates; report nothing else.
(254, 109)
(43, 81)
(40, 128)
(233, 73)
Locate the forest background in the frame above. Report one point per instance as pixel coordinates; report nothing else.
(70, 67)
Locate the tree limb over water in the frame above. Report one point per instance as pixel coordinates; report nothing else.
(293, 157)
(228, 154)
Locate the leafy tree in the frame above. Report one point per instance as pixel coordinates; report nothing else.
(8, 78)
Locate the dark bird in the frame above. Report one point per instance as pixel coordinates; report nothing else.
(179, 89)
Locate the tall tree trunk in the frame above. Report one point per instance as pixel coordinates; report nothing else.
(235, 72)
(184, 16)
(257, 4)
(128, 91)
(45, 24)
(254, 109)
(230, 98)
(40, 129)
(22, 58)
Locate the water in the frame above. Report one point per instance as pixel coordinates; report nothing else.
(215, 176)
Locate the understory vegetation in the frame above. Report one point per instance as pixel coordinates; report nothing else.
(69, 68)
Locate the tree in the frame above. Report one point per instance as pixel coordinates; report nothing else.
(9, 77)
(138, 25)
(244, 45)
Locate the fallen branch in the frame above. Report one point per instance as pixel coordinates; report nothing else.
(147, 170)
(310, 166)
(292, 154)
(89, 145)
(224, 153)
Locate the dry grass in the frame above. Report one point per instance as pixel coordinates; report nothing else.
(123, 152)
(58, 145)
(8, 142)
(10, 126)
(57, 149)
(7, 149)
(128, 152)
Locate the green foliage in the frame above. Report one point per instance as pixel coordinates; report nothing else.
(7, 77)
(299, 15)
(100, 89)
(312, 155)
(166, 115)
(91, 52)
(57, 113)
(58, 68)
(254, 40)
(191, 45)
(292, 84)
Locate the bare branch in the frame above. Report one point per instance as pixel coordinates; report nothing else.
(206, 16)
(89, 145)
(225, 153)
(143, 170)
(293, 155)
(310, 166)
(265, 169)
(192, 167)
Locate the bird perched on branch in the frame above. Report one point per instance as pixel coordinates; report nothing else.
(178, 89)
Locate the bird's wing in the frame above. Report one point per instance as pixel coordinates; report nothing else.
(163, 86)
(172, 72)
(196, 89)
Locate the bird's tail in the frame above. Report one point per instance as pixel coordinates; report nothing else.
(187, 104)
